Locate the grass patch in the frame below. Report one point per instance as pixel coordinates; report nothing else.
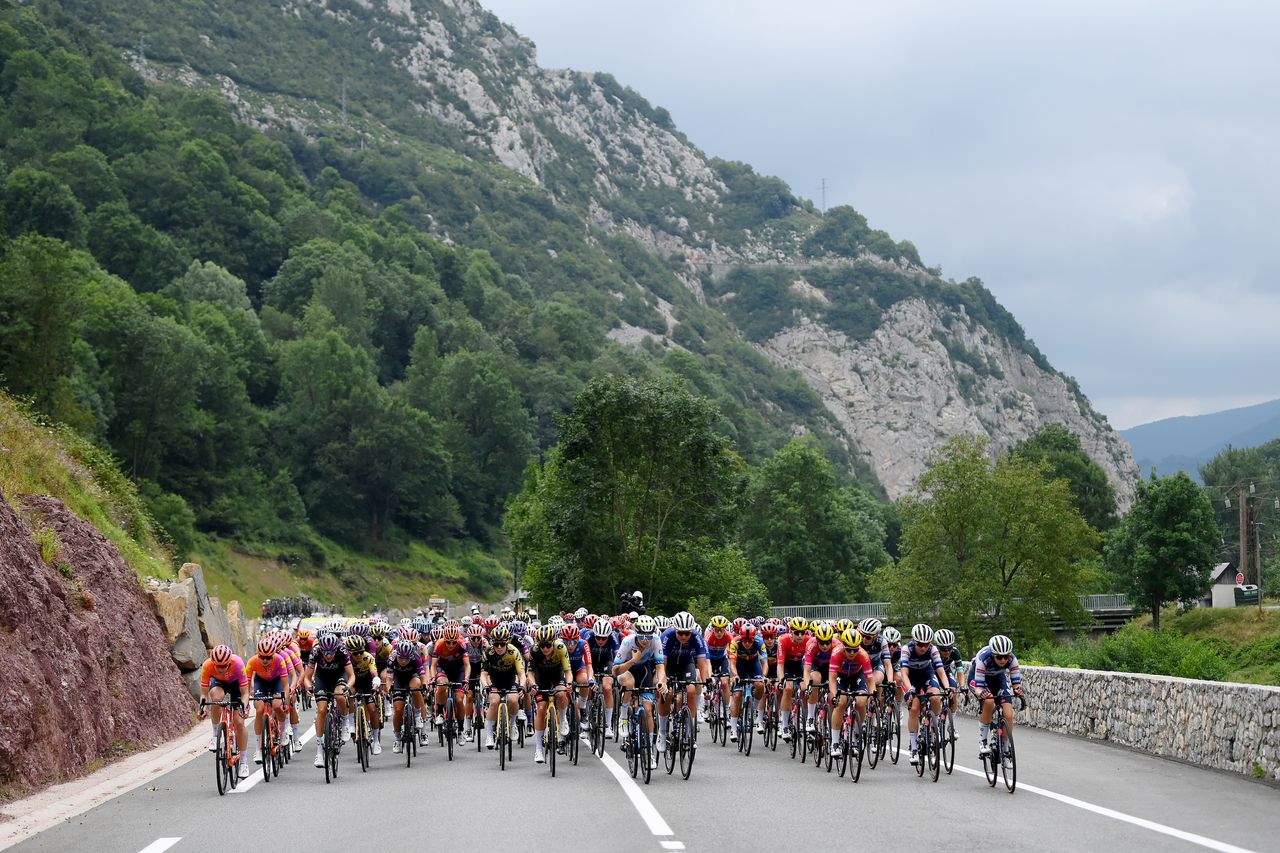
(37, 458)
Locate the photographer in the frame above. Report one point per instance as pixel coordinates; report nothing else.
(632, 601)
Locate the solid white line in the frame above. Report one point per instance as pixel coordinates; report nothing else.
(657, 825)
(256, 776)
(1221, 846)
(160, 845)
(673, 845)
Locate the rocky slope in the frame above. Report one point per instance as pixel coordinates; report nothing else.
(88, 672)
(903, 393)
(618, 166)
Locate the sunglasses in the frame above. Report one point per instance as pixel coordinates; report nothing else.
(1000, 657)
(546, 645)
(683, 633)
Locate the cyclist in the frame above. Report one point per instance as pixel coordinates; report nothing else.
(406, 668)
(450, 664)
(817, 665)
(501, 672)
(685, 656)
(893, 649)
(994, 676)
(921, 671)
(365, 667)
(269, 671)
(640, 665)
(747, 660)
(952, 661)
(222, 675)
(475, 655)
(718, 639)
(602, 644)
(330, 670)
(878, 651)
(580, 664)
(850, 669)
(790, 666)
(549, 672)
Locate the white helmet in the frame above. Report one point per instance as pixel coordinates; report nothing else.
(1000, 645)
(684, 621)
(891, 635)
(556, 622)
(602, 628)
(944, 637)
(662, 622)
(922, 633)
(638, 595)
(645, 626)
(870, 627)
(580, 612)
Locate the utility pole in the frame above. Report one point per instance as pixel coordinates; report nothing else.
(344, 99)
(824, 196)
(1244, 531)
(142, 48)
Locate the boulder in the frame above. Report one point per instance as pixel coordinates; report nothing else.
(214, 628)
(186, 644)
(195, 573)
(192, 679)
(239, 630)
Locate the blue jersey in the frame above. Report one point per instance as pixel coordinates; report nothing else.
(679, 653)
(984, 666)
(920, 661)
(878, 650)
(601, 653)
(652, 653)
(576, 651)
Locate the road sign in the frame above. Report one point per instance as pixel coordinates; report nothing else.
(1239, 578)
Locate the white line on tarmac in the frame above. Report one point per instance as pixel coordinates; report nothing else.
(657, 825)
(1210, 843)
(160, 845)
(256, 777)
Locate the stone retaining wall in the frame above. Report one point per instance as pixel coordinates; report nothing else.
(1221, 725)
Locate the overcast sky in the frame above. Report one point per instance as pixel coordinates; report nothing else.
(1111, 170)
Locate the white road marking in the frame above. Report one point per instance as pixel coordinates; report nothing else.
(160, 845)
(1210, 843)
(256, 776)
(673, 845)
(656, 824)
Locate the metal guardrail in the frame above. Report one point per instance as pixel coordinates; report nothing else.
(880, 609)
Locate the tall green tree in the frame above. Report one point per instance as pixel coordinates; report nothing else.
(1090, 490)
(990, 548)
(808, 540)
(1165, 546)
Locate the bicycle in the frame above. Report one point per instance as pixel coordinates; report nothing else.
(364, 740)
(821, 733)
(227, 755)
(948, 735)
(747, 715)
(409, 724)
(682, 740)
(853, 741)
(1002, 754)
(929, 736)
(477, 716)
(769, 714)
(595, 718)
(269, 739)
(448, 730)
(333, 735)
(574, 739)
(502, 735)
(638, 744)
(891, 724)
(717, 713)
(798, 721)
(552, 743)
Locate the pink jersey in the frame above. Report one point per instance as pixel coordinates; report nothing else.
(792, 649)
(816, 657)
(231, 673)
(277, 667)
(846, 663)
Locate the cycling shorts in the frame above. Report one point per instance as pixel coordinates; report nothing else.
(922, 679)
(822, 674)
(719, 666)
(267, 686)
(579, 668)
(793, 668)
(231, 688)
(402, 679)
(547, 678)
(364, 683)
(328, 681)
(503, 680)
(643, 675)
(444, 676)
(749, 669)
(999, 687)
(687, 671)
(851, 683)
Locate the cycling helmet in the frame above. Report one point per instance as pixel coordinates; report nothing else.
(500, 634)
(221, 655)
(1000, 645)
(556, 622)
(843, 625)
(267, 646)
(451, 632)
(437, 633)
(683, 621)
(465, 622)
(747, 633)
(475, 630)
(921, 633)
(719, 622)
(769, 629)
(851, 638)
(406, 648)
(570, 633)
(336, 626)
(737, 625)
(645, 625)
(602, 627)
(518, 629)
(944, 638)
(798, 623)
(491, 622)
(757, 620)
(329, 644)
(891, 635)
(870, 627)
(304, 634)
(662, 622)
(616, 623)
(546, 634)
(378, 630)
(407, 632)
(360, 629)
(356, 644)
(823, 632)
(580, 613)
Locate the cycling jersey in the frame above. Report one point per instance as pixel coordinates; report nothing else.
(985, 668)
(753, 652)
(916, 661)
(817, 658)
(540, 661)
(845, 663)
(230, 677)
(602, 653)
(475, 654)
(272, 670)
(878, 650)
(682, 653)
(652, 653)
(577, 655)
(329, 667)
(509, 660)
(450, 657)
(718, 646)
(364, 665)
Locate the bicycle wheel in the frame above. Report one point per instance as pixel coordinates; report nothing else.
(1009, 762)
(797, 729)
(333, 741)
(688, 741)
(220, 759)
(935, 749)
(895, 733)
(829, 758)
(632, 746)
(362, 739)
(857, 748)
(502, 734)
(872, 739)
(949, 745)
(575, 731)
(233, 758)
(673, 743)
(842, 756)
(749, 722)
(646, 747)
(802, 732)
(991, 761)
(408, 733)
(552, 739)
(264, 744)
(713, 715)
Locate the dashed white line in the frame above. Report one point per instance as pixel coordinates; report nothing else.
(650, 815)
(256, 777)
(160, 845)
(1210, 843)
(673, 845)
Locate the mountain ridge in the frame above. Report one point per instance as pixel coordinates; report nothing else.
(1185, 442)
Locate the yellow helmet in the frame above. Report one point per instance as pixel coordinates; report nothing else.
(843, 625)
(719, 622)
(823, 632)
(798, 623)
(851, 638)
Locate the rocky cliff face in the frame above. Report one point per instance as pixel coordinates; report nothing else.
(87, 669)
(929, 373)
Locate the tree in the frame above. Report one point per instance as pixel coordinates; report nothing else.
(637, 495)
(1090, 490)
(809, 541)
(37, 202)
(1165, 546)
(989, 548)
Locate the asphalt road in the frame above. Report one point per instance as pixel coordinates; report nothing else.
(1072, 795)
